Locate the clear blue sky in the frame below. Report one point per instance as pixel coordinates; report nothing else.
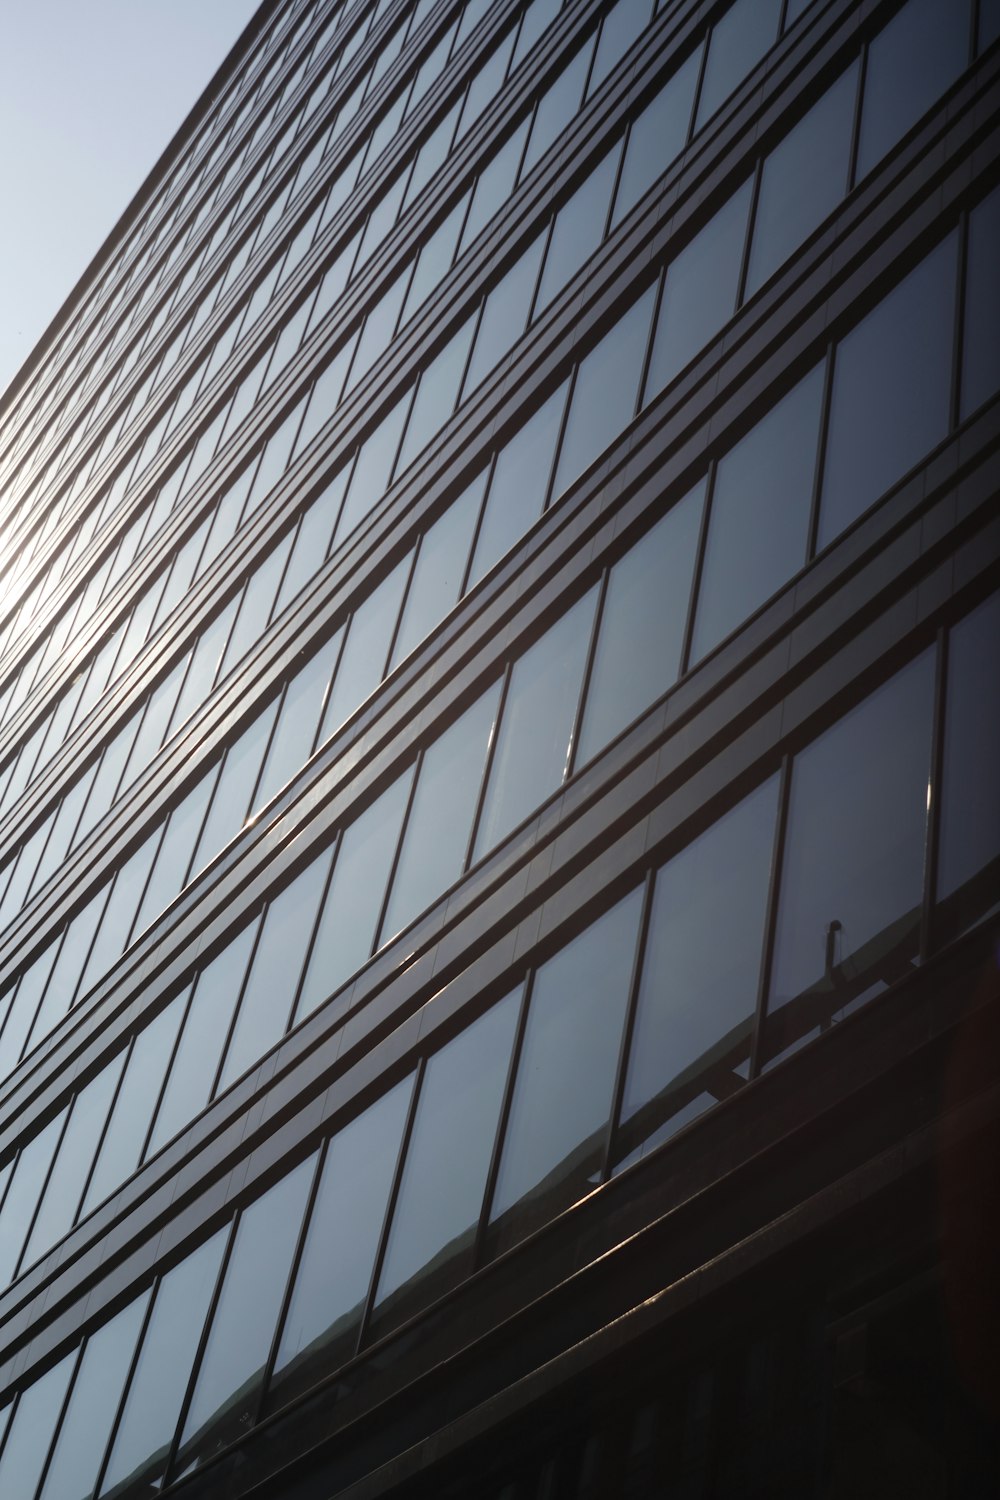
(90, 93)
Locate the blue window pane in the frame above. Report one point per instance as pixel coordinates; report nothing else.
(298, 722)
(26, 1183)
(622, 24)
(970, 793)
(698, 995)
(435, 257)
(804, 179)
(505, 315)
(605, 392)
(493, 187)
(437, 394)
(440, 568)
(981, 350)
(32, 1430)
(557, 107)
(363, 659)
(759, 523)
(989, 23)
(639, 643)
(578, 229)
(910, 64)
(372, 470)
(852, 870)
(231, 801)
(736, 45)
(700, 292)
(891, 391)
(657, 135)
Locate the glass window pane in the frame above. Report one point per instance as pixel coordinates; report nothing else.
(605, 392)
(175, 852)
(225, 1396)
(981, 349)
(622, 24)
(436, 255)
(298, 721)
(803, 180)
(325, 396)
(759, 523)
(578, 229)
(989, 23)
(97, 1390)
(536, 727)
(148, 1061)
(555, 1141)
(557, 107)
(256, 606)
(331, 1285)
(519, 485)
(440, 567)
(119, 914)
(189, 1085)
(353, 905)
(970, 805)
(437, 394)
(910, 64)
(638, 653)
(505, 315)
(26, 1184)
(363, 662)
(444, 1178)
(701, 968)
(32, 1430)
(891, 390)
(493, 186)
(205, 662)
(277, 962)
(440, 821)
(372, 470)
(378, 330)
(152, 1405)
(313, 539)
(852, 871)
(700, 292)
(231, 801)
(24, 1007)
(656, 136)
(736, 45)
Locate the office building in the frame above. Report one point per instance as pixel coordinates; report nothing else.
(498, 768)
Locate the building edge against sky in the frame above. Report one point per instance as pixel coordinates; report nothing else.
(498, 735)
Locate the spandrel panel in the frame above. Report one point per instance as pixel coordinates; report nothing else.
(439, 825)
(533, 742)
(26, 1184)
(852, 869)
(656, 136)
(701, 968)
(803, 179)
(353, 904)
(736, 45)
(981, 344)
(970, 793)
(333, 1277)
(444, 1177)
(224, 1401)
(31, 1430)
(152, 1405)
(759, 522)
(555, 1141)
(911, 62)
(437, 394)
(133, 1108)
(505, 315)
(700, 292)
(578, 229)
(97, 1390)
(641, 633)
(891, 390)
(269, 993)
(199, 1051)
(605, 392)
(519, 485)
(363, 660)
(439, 570)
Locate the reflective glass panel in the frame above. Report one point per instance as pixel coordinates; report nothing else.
(622, 25)
(363, 661)
(439, 570)
(231, 801)
(437, 393)
(657, 135)
(910, 63)
(981, 346)
(557, 107)
(737, 43)
(298, 721)
(505, 315)
(578, 228)
(493, 187)
(970, 794)
(373, 468)
(26, 1184)
(31, 1431)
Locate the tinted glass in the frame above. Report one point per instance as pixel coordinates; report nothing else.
(440, 822)
(578, 228)
(174, 854)
(97, 1390)
(30, 1435)
(505, 314)
(444, 1178)
(152, 1405)
(379, 327)
(231, 801)
(605, 392)
(255, 609)
(622, 25)
(437, 393)
(854, 857)
(493, 187)
(373, 468)
(641, 632)
(759, 522)
(657, 135)
(891, 391)
(224, 1401)
(534, 740)
(737, 43)
(331, 1285)
(910, 63)
(557, 107)
(555, 1141)
(701, 968)
(989, 23)
(22, 1194)
(803, 179)
(439, 570)
(298, 721)
(970, 805)
(700, 292)
(366, 650)
(981, 348)
(435, 257)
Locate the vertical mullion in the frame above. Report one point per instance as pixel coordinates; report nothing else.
(588, 669)
(859, 103)
(933, 823)
(771, 915)
(783, 17)
(741, 281)
(549, 232)
(315, 742)
(547, 495)
(390, 1207)
(628, 1029)
(958, 341)
(647, 358)
(699, 85)
(826, 400)
(460, 397)
(699, 565)
(488, 767)
(467, 569)
(528, 984)
(310, 945)
(418, 546)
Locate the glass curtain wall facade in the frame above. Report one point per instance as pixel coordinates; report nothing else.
(499, 727)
